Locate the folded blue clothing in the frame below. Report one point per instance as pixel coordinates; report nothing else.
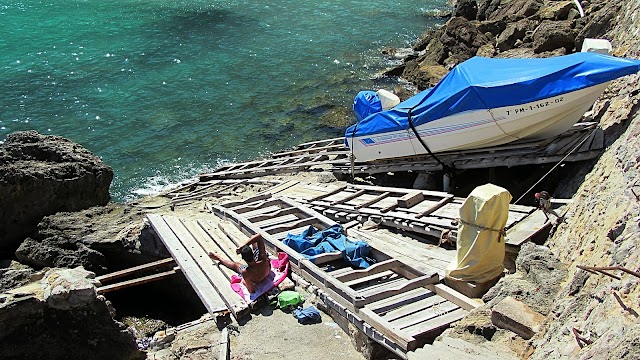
(314, 242)
(309, 315)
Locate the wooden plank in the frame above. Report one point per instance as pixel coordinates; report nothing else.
(383, 306)
(436, 323)
(327, 257)
(275, 221)
(376, 276)
(414, 307)
(425, 315)
(206, 266)
(214, 241)
(375, 268)
(455, 297)
(374, 200)
(224, 352)
(410, 199)
(132, 270)
(438, 194)
(526, 229)
(437, 206)
(282, 187)
(290, 226)
(138, 281)
(210, 298)
(375, 295)
(401, 337)
(348, 198)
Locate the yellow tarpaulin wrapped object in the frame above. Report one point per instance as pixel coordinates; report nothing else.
(480, 244)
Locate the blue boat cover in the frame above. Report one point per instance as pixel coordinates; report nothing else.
(313, 242)
(486, 83)
(366, 103)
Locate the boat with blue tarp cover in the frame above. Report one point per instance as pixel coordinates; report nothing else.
(485, 102)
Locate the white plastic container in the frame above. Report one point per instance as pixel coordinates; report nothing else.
(388, 99)
(601, 46)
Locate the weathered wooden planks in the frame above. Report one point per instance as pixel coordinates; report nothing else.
(511, 154)
(431, 213)
(379, 295)
(185, 243)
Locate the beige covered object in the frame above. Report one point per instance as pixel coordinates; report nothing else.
(480, 244)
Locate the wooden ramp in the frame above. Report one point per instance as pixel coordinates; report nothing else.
(431, 213)
(584, 141)
(189, 241)
(398, 303)
(304, 157)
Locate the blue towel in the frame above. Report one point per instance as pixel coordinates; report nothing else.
(309, 315)
(313, 242)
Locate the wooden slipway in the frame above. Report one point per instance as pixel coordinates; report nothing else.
(393, 302)
(426, 212)
(583, 142)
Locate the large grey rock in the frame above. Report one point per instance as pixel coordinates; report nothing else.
(60, 317)
(41, 175)
(100, 239)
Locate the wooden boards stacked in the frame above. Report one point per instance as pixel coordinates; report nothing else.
(431, 213)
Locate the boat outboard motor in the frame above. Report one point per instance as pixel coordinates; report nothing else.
(366, 103)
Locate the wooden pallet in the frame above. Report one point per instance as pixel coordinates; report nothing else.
(585, 138)
(304, 157)
(390, 295)
(431, 213)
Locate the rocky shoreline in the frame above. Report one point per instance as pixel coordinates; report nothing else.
(56, 221)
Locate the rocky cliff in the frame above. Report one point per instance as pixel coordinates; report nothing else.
(584, 315)
(603, 229)
(42, 175)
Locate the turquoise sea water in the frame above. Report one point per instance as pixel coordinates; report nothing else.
(163, 90)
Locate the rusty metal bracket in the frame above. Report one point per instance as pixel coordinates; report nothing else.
(582, 341)
(603, 270)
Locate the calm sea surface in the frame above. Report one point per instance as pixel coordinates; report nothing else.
(163, 90)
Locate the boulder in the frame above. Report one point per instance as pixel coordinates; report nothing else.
(467, 9)
(514, 315)
(486, 9)
(42, 175)
(60, 316)
(515, 10)
(424, 75)
(551, 35)
(462, 38)
(557, 10)
(598, 23)
(100, 239)
(514, 32)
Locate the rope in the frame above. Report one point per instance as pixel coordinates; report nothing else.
(502, 232)
(558, 164)
(445, 168)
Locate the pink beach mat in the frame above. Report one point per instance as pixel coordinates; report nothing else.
(279, 271)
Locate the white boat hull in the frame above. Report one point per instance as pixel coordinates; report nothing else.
(481, 128)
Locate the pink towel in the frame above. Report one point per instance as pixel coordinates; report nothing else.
(279, 271)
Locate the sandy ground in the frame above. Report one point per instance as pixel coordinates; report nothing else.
(274, 334)
(264, 334)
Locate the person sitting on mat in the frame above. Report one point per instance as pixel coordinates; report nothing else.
(257, 262)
